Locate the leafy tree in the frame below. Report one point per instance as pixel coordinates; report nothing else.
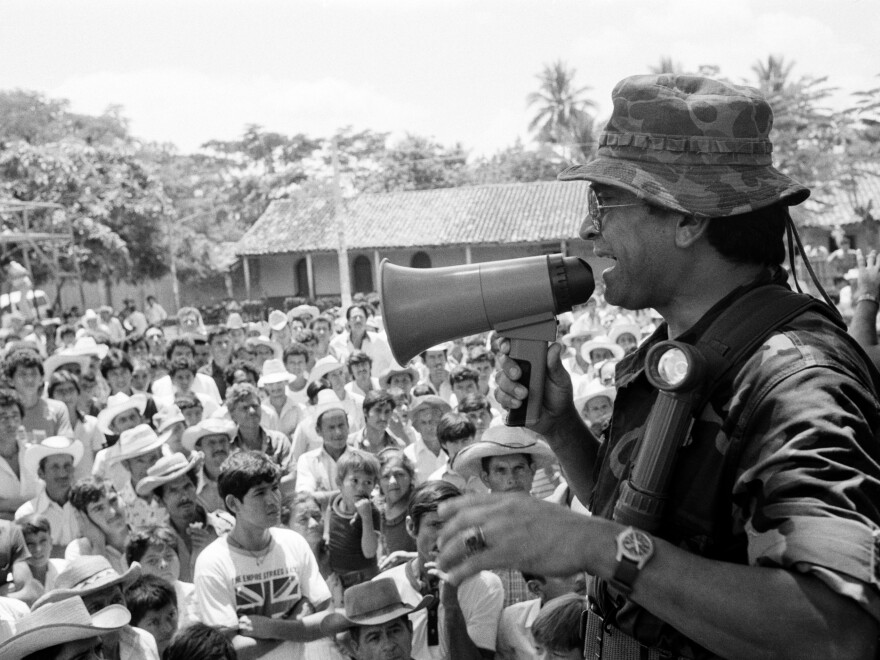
(562, 116)
(517, 164)
(419, 163)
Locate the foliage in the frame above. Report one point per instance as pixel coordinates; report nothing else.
(418, 163)
(517, 164)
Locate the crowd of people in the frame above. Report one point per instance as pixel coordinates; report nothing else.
(286, 489)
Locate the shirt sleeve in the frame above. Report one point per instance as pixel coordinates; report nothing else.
(481, 603)
(214, 594)
(305, 480)
(62, 420)
(809, 490)
(313, 585)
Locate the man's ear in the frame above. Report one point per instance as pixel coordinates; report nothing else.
(484, 477)
(536, 588)
(689, 229)
(410, 527)
(232, 504)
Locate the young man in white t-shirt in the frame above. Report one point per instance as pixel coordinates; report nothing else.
(260, 577)
(465, 624)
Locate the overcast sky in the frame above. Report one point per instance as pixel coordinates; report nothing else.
(186, 71)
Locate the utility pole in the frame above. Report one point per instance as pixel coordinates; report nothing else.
(341, 251)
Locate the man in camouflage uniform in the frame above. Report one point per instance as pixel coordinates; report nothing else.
(770, 540)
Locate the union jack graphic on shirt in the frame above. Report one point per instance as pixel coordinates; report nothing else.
(271, 597)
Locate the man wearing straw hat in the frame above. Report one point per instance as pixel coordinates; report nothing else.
(139, 449)
(53, 461)
(213, 438)
(766, 545)
(99, 586)
(61, 631)
(273, 380)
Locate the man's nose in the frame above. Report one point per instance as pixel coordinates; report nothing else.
(588, 231)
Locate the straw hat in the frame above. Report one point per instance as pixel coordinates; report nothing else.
(428, 401)
(304, 311)
(582, 326)
(600, 342)
(274, 372)
(586, 388)
(136, 442)
(327, 364)
(234, 322)
(328, 400)
(277, 320)
(166, 419)
(51, 446)
(118, 404)
(502, 441)
(166, 469)
(394, 370)
(369, 604)
(86, 575)
(58, 623)
(86, 345)
(262, 340)
(53, 362)
(623, 328)
(210, 426)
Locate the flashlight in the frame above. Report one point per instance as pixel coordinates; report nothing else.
(677, 370)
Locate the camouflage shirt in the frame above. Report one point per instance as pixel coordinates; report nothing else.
(781, 468)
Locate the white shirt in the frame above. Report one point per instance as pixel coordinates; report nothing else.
(480, 598)
(424, 460)
(290, 416)
(62, 519)
(316, 471)
(515, 640)
(230, 583)
(27, 484)
(373, 345)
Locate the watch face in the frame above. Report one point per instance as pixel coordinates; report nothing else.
(637, 545)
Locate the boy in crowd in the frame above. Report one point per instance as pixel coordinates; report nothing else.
(220, 344)
(16, 579)
(455, 431)
(139, 449)
(153, 606)
(316, 470)
(515, 639)
(478, 409)
(378, 406)
(255, 577)
(464, 381)
(360, 368)
(24, 370)
(117, 369)
(465, 624)
(16, 485)
(38, 538)
(557, 628)
(103, 527)
(200, 642)
(212, 437)
(354, 520)
(296, 361)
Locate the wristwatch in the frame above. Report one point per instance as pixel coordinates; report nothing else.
(634, 549)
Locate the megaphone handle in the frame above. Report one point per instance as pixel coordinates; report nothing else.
(531, 357)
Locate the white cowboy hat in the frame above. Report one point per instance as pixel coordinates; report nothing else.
(166, 419)
(428, 401)
(600, 342)
(53, 362)
(234, 322)
(58, 623)
(446, 346)
(262, 340)
(277, 320)
(582, 326)
(136, 442)
(118, 404)
(369, 604)
(326, 365)
(623, 328)
(167, 469)
(51, 446)
(394, 370)
(274, 372)
(84, 576)
(586, 388)
(210, 426)
(86, 345)
(327, 400)
(502, 441)
(301, 311)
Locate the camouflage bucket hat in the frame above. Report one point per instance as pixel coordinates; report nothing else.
(690, 144)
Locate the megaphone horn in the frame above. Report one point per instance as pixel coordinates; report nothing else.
(519, 298)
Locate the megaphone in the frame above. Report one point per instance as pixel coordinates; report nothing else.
(518, 298)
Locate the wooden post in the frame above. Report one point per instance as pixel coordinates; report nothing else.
(247, 277)
(310, 276)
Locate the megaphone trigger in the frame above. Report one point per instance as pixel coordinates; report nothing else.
(531, 358)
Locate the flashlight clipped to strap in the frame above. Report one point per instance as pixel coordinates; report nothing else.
(678, 371)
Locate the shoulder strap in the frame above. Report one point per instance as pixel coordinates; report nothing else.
(746, 324)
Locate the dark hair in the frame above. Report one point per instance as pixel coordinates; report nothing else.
(239, 392)
(295, 348)
(356, 459)
(147, 594)
(391, 455)
(142, 538)
(454, 426)
(131, 341)
(557, 626)
(157, 362)
(182, 363)
(9, 397)
(200, 642)
(528, 577)
(180, 341)
(34, 524)
(422, 389)
(88, 490)
(377, 398)
(244, 470)
(474, 403)
(755, 237)
(359, 306)
(321, 318)
(316, 386)
(484, 462)
(358, 357)
(219, 331)
(463, 374)
(480, 354)
(187, 398)
(305, 336)
(240, 365)
(159, 491)
(355, 631)
(23, 357)
(115, 359)
(426, 497)
(59, 378)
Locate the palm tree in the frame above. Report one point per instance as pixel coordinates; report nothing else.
(558, 101)
(562, 109)
(773, 74)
